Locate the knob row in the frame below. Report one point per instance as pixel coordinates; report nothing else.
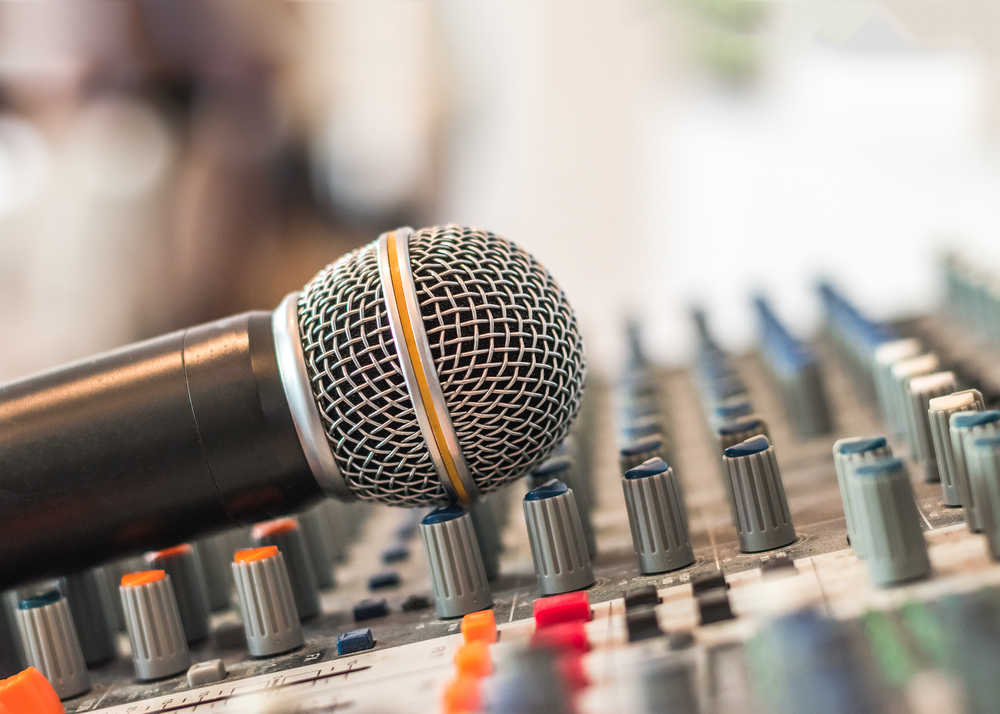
(795, 370)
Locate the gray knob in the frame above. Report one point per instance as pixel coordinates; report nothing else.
(886, 355)
(487, 528)
(939, 411)
(86, 594)
(983, 459)
(50, 643)
(270, 620)
(338, 516)
(286, 534)
(657, 518)
(920, 391)
(317, 536)
(760, 509)
(848, 454)
(639, 452)
(11, 661)
(458, 577)
(182, 565)
(805, 399)
(114, 573)
(159, 648)
(973, 425)
(889, 522)
(739, 431)
(214, 554)
(564, 470)
(558, 546)
(902, 372)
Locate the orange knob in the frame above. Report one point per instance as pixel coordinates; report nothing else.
(29, 693)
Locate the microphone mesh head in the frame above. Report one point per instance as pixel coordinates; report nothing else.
(506, 349)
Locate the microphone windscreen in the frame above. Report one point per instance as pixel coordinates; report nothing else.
(506, 349)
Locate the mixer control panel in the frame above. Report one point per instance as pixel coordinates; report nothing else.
(813, 526)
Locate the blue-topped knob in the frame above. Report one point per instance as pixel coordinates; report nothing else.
(657, 517)
(558, 545)
(983, 458)
(51, 644)
(848, 454)
(740, 430)
(757, 496)
(964, 427)
(888, 519)
(458, 576)
(638, 451)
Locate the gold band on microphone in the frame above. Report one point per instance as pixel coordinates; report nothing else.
(418, 368)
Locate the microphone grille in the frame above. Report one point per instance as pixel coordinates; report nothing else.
(505, 345)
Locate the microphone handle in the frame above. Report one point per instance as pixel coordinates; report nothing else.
(146, 447)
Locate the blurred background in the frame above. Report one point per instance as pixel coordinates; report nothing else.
(167, 162)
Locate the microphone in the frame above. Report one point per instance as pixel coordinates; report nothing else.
(426, 367)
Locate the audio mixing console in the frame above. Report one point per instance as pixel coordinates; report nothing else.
(750, 594)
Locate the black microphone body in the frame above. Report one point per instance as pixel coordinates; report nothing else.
(145, 447)
(426, 367)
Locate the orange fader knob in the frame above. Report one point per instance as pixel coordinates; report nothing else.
(480, 625)
(462, 696)
(473, 659)
(29, 693)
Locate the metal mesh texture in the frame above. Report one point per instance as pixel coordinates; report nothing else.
(506, 348)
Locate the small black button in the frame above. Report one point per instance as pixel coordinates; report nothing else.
(714, 607)
(640, 597)
(778, 566)
(395, 554)
(642, 624)
(680, 640)
(383, 580)
(416, 602)
(708, 581)
(370, 609)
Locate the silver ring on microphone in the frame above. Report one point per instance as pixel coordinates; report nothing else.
(417, 363)
(301, 402)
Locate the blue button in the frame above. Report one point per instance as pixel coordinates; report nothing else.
(751, 446)
(443, 514)
(738, 427)
(40, 600)
(732, 411)
(383, 580)
(987, 442)
(395, 554)
(862, 446)
(553, 488)
(965, 421)
(883, 466)
(650, 468)
(355, 641)
(643, 431)
(641, 447)
(370, 609)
